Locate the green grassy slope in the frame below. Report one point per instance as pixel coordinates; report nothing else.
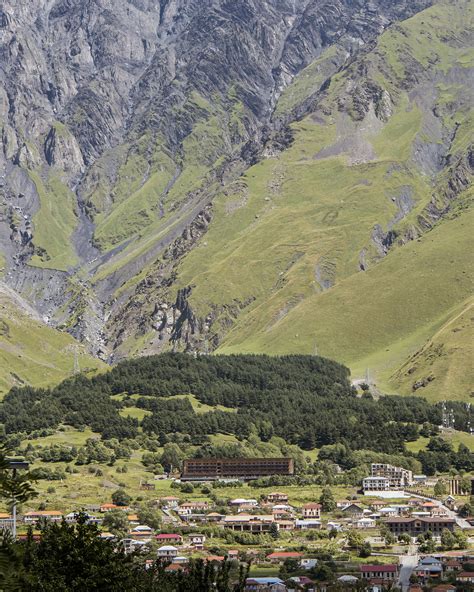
(292, 234)
(54, 224)
(33, 353)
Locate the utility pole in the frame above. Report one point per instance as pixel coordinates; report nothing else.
(76, 360)
(15, 465)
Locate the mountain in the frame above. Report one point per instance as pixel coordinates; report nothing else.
(244, 176)
(31, 352)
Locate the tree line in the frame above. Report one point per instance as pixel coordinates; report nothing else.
(306, 400)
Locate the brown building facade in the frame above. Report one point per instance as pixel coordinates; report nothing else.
(208, 469)
(416, 526)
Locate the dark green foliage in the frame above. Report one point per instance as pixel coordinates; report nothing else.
(121, 498)
(73, 558)
(327, 501)
(306, 400)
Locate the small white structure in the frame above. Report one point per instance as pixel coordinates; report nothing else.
(197, 540)
(142, 530)
(365, 523)
(132, 545)
(307, 524)
(308, 562)
(348, 579)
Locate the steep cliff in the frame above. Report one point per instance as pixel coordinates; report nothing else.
(169, 168)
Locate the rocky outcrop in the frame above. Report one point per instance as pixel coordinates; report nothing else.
(88, 86)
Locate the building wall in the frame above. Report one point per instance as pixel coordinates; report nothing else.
(243, 468)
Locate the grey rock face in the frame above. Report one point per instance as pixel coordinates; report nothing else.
(79, 78)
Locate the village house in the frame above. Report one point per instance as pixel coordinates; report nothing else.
(167, 552)
(130, 545)
(377, 505)
(176, 539)
(264, 585)
(388, 512)
(353, 510)
(450, 502)
(280, 556)
(214, 559)
(452, 565)
(277, 498)
(428, 568)
(50, 515)
(241, 504)
(193, 506)
(438, 511)
(343, 503)
(6, 520)
(249, 523)
(365, 523)
(419, 479)
(308, 563)
(311, 510)
(285, 524)
(142, 531)
(308, 524)
(145, 486)
(197, 540)
(214, 517)
(297, 583)
(466, 577)
(133, 519)
(282, 512)
(388, 571)
(169, 502)
(71, 518)
(174, 567)
(109, 507)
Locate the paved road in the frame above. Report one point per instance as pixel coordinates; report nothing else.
(408, 564)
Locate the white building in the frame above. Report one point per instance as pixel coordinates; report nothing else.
(398, 476)
(376, 484)
(167, 552)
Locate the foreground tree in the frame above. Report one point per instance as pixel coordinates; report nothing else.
(73, 558)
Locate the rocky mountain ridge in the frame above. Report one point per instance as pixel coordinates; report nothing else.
(124, 126)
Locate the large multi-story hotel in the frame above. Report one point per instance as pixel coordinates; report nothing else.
(208, 469)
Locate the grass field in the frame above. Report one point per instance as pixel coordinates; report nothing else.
(33, 353)
(452, 436)
(54, 224)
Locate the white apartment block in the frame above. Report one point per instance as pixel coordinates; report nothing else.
(398, 476)
(376, 484)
